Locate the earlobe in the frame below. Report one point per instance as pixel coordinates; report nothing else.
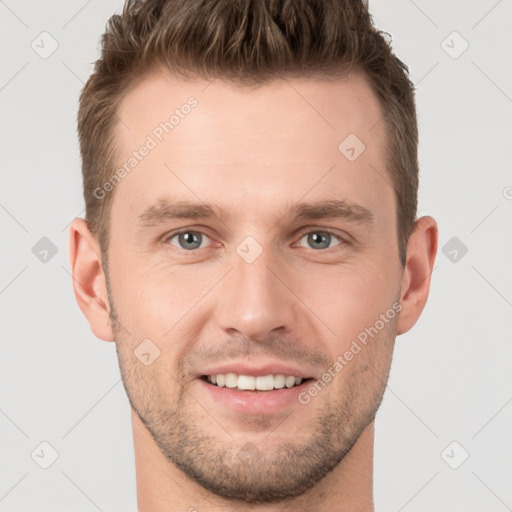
(89, 279)
(421, 254)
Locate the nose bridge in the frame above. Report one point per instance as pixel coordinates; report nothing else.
(255, 301)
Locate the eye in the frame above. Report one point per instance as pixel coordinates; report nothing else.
(321, 239)
(188, 240)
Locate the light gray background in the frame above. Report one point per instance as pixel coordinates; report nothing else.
(450, 379)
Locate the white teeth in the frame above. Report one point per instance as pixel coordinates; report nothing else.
(265, 383)
(231, 380)
(279, 381)
(289, 382)
(249, 382)
(246, 382)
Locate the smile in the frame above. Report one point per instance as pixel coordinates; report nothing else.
(252, 383)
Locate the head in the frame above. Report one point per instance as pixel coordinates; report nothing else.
(250, 178)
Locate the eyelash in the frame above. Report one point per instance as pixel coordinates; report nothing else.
(343, 241)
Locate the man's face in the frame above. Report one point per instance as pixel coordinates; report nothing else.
(268, 284)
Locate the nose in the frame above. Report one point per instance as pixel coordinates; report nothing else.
(255, 298)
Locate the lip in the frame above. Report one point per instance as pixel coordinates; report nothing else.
(254, 402)
(255, 369)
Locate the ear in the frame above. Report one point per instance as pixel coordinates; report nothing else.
(89, 282)
(421, 254)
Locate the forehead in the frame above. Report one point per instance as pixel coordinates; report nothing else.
(284, 108)
(289, 136)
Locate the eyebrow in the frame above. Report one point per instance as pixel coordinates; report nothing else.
(333, 209)
(166, 210)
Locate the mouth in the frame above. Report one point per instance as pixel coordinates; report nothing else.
(254, 388)
(260, 383)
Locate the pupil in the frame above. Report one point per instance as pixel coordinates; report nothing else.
(320, 238)
(190, 239)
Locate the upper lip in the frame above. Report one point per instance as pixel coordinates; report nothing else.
(255, 369)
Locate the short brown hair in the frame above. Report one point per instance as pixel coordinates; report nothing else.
(246, 42)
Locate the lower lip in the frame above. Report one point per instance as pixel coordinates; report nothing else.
(255, 402)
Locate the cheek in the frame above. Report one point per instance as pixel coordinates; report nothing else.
(349, 299)
(161, 303)
(151, 295)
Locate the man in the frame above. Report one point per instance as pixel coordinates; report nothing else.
(251, 245)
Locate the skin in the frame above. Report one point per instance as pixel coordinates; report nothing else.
(253, 152)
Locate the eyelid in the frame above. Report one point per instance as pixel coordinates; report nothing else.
(169, 236)
(344, 239)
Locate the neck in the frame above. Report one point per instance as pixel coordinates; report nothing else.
(162, 486)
